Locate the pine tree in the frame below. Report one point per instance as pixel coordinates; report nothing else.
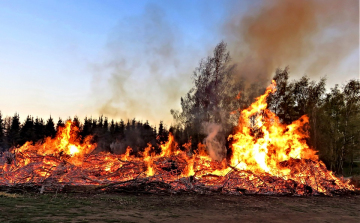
(106, 124)
(59, 124)
(39, 128)
(50, 128)
(27, 131)
(112, 127)
(162, 136)
(75, 122)
(100, 122)
(13, 134)
(94, 125)
(87, 127)
(2, 134)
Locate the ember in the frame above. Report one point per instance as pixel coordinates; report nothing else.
(267, 158)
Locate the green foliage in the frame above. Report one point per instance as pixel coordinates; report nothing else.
(60, 123)
(50, 128)
(338, 127)
(27, 131)
(334, 118)
(295, 99)
(210, 98)
(13, 132)
(2, 134)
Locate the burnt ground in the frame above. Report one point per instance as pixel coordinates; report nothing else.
(116, 207)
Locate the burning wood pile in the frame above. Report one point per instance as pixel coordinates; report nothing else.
(267, 158)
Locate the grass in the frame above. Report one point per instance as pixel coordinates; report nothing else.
(180, 208)
(64, 208)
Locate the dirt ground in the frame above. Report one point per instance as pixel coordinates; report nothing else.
(176, 208)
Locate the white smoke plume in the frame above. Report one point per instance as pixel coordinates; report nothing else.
(214, 141)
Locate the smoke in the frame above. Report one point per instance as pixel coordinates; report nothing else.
(214, 141)
(147, 65)
(313, 37)
(145, 69)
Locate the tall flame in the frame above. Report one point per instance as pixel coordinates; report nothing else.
(262, 142)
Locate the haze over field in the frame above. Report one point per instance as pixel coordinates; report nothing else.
(127, 59)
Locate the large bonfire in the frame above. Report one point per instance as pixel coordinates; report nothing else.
(267, 157)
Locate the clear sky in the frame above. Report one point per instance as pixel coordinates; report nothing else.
(66, 58)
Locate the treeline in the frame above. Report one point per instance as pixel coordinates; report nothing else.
(111, 136)
(13, 133)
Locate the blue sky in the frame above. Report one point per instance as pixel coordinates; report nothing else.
(48, 48)
(56, 57)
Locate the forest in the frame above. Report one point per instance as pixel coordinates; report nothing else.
(212, 106)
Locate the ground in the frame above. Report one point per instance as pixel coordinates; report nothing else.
(176, 208)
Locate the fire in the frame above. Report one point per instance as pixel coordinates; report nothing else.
(73, 150)
(262, 142)
(66, 142)
(268, 157)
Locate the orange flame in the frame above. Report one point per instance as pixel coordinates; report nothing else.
(262, 142)
(66, 142)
